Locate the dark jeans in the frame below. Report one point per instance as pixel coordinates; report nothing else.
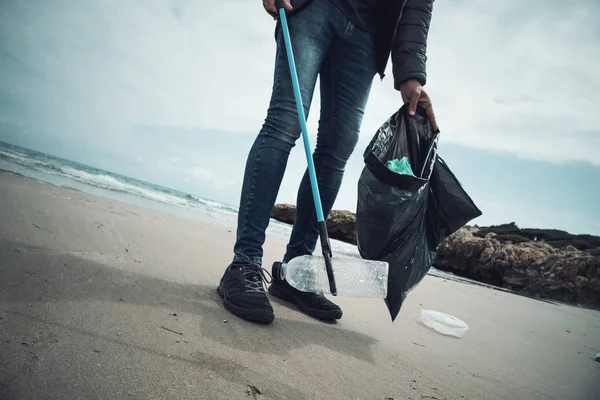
(327, 45)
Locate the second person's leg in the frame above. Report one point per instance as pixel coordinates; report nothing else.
(310, 36)
(345, 78)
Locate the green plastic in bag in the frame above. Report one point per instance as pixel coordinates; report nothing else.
(401, 166)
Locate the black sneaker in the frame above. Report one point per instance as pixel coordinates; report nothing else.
(313, 304)
(243, 294)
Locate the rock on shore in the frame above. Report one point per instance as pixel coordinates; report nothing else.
(341, 224)
(533, 268)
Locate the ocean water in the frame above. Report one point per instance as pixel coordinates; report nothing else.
(66, 173)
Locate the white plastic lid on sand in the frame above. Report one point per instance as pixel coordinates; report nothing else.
(443, 323)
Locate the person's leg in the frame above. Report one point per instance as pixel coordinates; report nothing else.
(345, 77)
(310, 35)
(241, 285)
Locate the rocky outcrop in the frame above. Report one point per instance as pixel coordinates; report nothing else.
(533, 268)
(546, 264)
(341, 224)
(285, 213)
(554, 237)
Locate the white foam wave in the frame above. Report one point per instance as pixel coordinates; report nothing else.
(111, 183)
(214, 204)
(16, 156)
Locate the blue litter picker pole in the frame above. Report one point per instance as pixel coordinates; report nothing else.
(324, 236)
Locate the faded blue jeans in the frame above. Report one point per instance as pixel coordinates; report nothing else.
(327, 45)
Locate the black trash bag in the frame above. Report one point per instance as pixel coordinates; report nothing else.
(403, 218)
(452, 204)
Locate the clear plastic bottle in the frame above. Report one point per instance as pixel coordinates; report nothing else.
(354, 277)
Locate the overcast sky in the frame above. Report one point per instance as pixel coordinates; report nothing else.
(174, 92)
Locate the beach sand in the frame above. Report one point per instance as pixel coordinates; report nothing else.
(88, 286)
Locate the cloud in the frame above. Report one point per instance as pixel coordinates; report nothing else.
(539, 58)
(185, 172)
(208, 176)
(92, 67)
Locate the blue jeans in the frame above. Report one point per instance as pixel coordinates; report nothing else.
(327, 45)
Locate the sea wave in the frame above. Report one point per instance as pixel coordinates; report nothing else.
(46, 164)
(211, 203)
(114, 184)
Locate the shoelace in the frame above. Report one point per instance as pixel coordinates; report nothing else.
(254, 274)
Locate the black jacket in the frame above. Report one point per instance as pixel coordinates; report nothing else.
(402, 32)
